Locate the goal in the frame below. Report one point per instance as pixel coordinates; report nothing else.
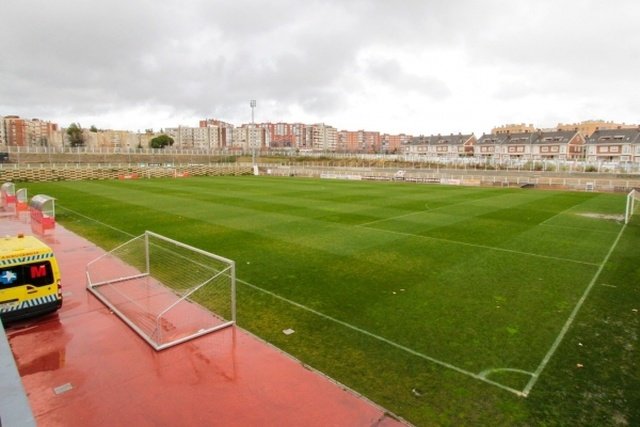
(166, 291)
(633, 202)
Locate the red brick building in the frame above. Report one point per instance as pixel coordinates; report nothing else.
(23, 133)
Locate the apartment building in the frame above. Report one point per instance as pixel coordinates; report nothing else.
(19, 132)
(223, 130)
(513, 128)
(321, 137)
(249, 137)
(16, 131)
(588, 127)
(284, 135)
(393, 144)
(3, 134)
(117, 140)
(359, 141)
(211, 137)
(40, 132)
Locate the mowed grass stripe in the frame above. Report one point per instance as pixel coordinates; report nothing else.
(441, 288)
(246, 220)
(323, 198)
(515, 228)
(235, 205)
(440, 301)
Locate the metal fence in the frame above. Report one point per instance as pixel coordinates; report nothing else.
(52, 155)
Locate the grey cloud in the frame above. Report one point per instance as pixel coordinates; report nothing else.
(591, 39)
(209, 58)
(96, 54)
(391, 73)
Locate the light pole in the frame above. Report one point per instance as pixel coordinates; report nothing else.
(252, 104)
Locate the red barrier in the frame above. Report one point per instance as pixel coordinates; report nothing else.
(129, 176)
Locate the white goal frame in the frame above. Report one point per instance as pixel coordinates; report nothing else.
(223, 272)
(631, 201)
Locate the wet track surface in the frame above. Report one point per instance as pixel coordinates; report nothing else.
(82, 366)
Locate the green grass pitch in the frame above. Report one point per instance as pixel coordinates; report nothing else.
(445, 304)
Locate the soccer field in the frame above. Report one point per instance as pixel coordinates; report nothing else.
(434, 301)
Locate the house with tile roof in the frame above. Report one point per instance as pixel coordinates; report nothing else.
(539, 145)
(518, 146)
(489, 146)
(614, 145)
(449, 146)
(558, 145)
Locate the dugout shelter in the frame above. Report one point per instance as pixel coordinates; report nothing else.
(8, 194)
(43, 212)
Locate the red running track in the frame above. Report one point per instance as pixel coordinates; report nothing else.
(84, 367)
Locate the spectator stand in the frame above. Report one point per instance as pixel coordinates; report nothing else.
(43, 213)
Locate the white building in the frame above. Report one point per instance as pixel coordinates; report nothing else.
(3, 134)
(249, 137)
(322, 137)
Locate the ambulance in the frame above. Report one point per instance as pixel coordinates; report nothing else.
(29, 278)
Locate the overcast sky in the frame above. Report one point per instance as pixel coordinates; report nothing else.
(412, 66)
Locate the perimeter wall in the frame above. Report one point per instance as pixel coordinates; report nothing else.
(549, 180)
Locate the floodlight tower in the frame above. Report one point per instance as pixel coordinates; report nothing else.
(252, 104)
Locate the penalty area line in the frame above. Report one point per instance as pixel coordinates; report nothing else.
(474, 245)
(569, 322)
(480, 377)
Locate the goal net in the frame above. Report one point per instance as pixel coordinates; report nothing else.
(166, 291)
(633, 205)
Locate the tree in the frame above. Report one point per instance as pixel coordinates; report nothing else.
(161, 141)
(76, 137)
(93, 128)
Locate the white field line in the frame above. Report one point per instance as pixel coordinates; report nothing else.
(571, 318)
(427, 210)
(480, 377)
(364, 225)
(474, 245)
(96, 221)
(487, 372)
(566, 226)
(395, 217)
(577, 228)
(559, 213)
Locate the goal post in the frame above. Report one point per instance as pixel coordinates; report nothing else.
(166, 291)
(633, 201)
